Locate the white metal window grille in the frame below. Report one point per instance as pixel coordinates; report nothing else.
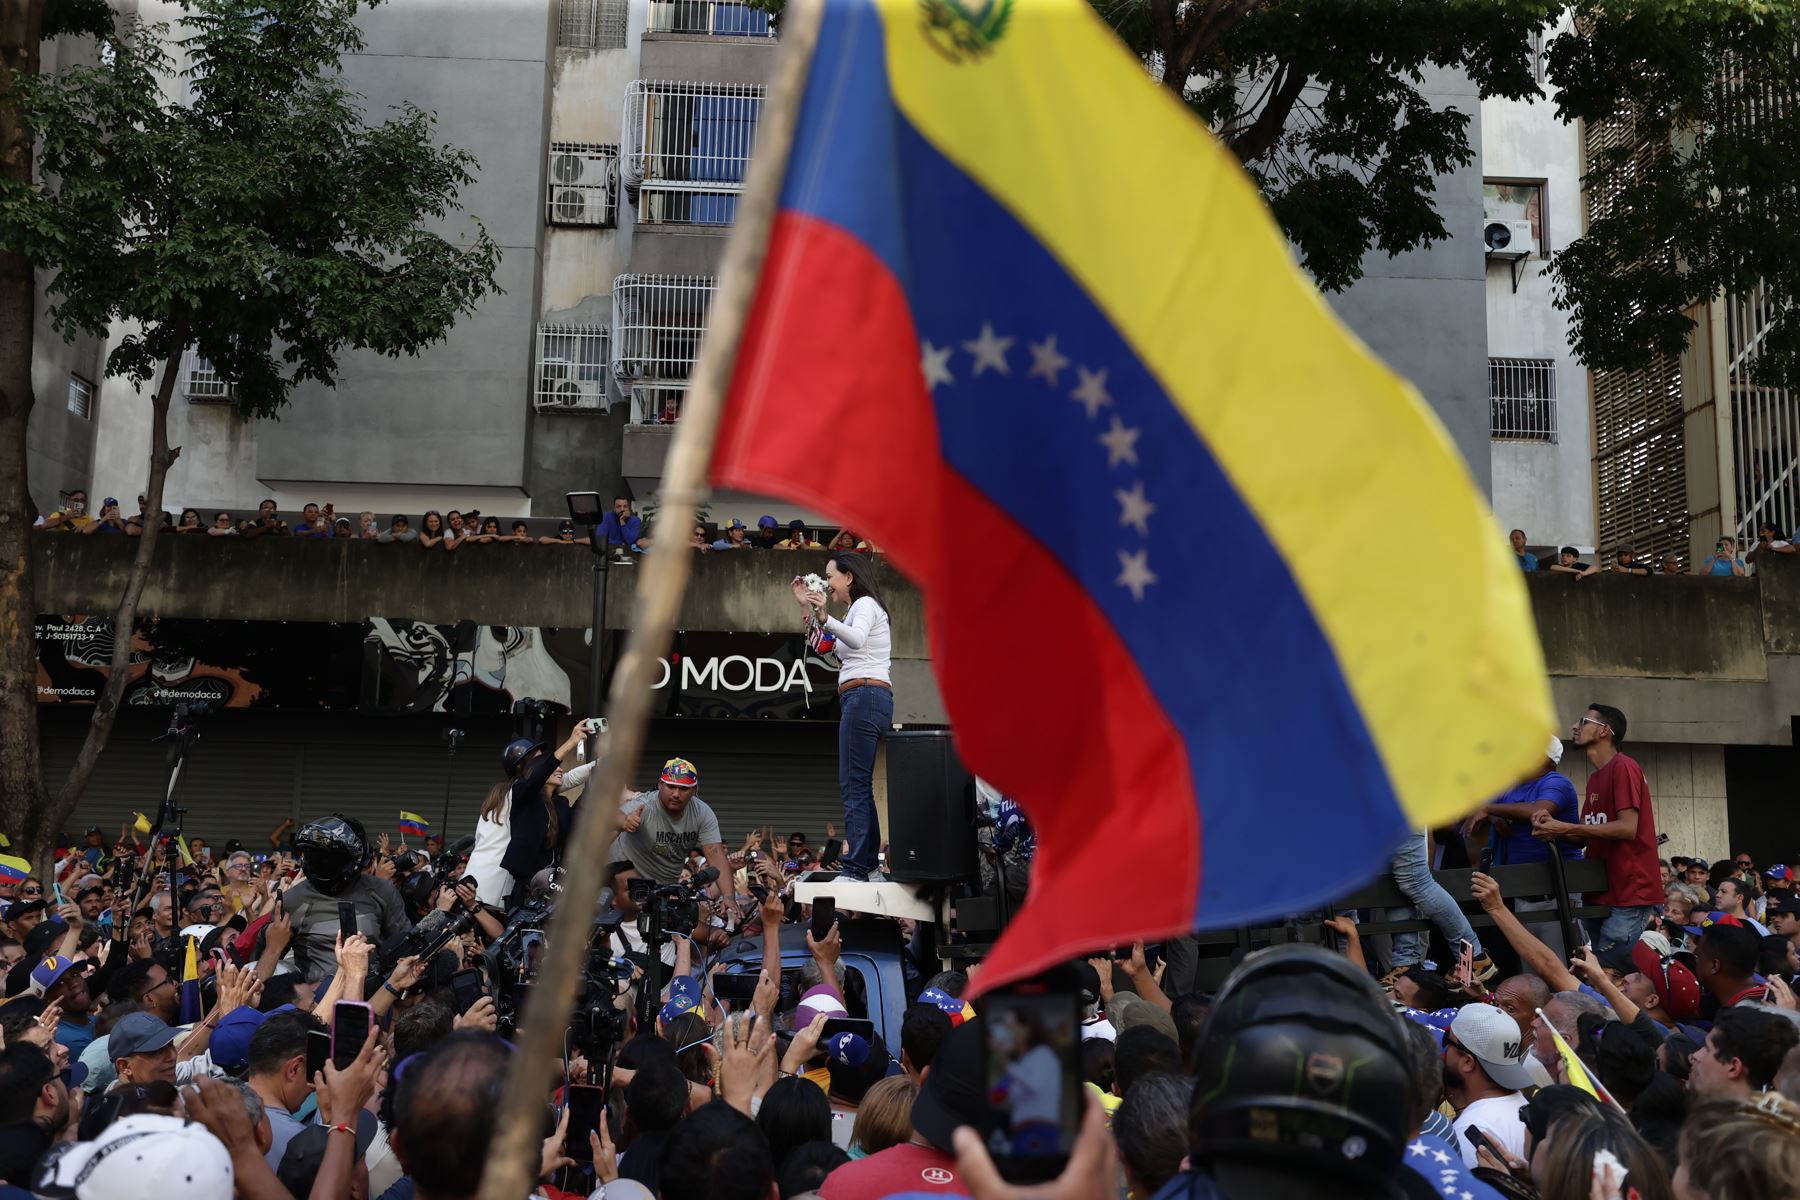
(1522, 399)
(657, 323)
(571, 369)
(581, 185)
(709, 18)
(81, 397)
(1765, 423)
(686, 146)
(591, 24)
(202, 383)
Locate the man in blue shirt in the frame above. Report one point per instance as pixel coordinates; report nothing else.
(1508, 816)
(1527, 562)
(621, 528)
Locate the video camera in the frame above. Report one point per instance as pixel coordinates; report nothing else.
(426, 940)
(670, 907)
(598, 1026)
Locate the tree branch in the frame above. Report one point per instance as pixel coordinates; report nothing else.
(1266, 130)
(124, 621)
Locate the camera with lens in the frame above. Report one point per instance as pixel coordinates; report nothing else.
(597, 1026)
(673, 907)
(426, 940)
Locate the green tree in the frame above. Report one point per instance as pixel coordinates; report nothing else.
(264, 222)
(1698, 194)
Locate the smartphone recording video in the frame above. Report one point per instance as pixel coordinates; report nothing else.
(1033, 1074)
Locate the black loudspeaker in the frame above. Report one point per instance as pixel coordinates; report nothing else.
(930, 810)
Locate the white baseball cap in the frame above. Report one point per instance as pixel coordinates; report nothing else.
(1494, 1039)
(145, 1157)
(1555, 750)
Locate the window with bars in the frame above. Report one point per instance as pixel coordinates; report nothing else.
(686, 146)
(570, 374)
(581, 185)
(81, 397)
(1522, 399)
(657, 323)
(708, 18)
(591, 24)
(202, 384)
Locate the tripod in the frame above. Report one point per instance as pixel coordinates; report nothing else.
(181, 736)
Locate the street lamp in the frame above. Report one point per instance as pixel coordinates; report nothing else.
(585, 510)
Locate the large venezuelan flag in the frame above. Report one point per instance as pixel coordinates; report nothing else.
(1052, 355)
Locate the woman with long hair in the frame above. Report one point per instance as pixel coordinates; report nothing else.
(865, 694)
(525, 819)
(431, 528)
(1598, 1153)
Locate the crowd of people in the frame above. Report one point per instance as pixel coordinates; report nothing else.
(1724, 560)
(622, 531)
(189, 1004)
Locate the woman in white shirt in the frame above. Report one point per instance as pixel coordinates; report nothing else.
(865, 696)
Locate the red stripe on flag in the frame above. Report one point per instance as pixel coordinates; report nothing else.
(1048, 703)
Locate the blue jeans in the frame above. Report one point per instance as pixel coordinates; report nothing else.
(1412, 872)
(866, 715)
(1620, 927)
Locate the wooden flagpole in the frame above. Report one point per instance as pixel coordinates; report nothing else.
(514, 1154)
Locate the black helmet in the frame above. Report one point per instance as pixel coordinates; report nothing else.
(332, 851)
(515, 754)
(1304, 1064)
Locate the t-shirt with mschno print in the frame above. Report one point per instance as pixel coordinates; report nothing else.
(1632, 876)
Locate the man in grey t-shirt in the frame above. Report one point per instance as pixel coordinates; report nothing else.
(658, 828)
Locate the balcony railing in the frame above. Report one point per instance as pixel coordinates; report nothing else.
(591, 24)
(572, 366)
(709, 18)
(201, 384)
(686, 145)
(657, 323)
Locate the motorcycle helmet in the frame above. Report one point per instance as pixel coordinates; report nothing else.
(515, 754)
(1303, 1065)
(332, 852)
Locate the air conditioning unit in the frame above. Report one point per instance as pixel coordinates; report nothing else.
(584, 187)
(579, 206)
(1509, 239)
(582, 170)
(559, 389)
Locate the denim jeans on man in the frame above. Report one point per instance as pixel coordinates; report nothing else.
(1620, 927)
(1412, 871)
(866, 715)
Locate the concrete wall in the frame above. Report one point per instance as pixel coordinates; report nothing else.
(1544, 488)
(1687, 793)
(59, 445)
(1423, 312)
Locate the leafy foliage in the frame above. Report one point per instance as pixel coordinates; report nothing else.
(1698, 195)
(261, 219)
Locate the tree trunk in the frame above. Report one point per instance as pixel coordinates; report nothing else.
(124, 619)
(22, 795)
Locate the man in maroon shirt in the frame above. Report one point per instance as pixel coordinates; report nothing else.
(1617, 827)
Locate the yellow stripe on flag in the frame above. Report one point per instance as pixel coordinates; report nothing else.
(1574, 1069)
(141, 823)
(190, 969)
(1329, 449)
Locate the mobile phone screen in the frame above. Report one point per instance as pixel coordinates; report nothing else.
(836, 1025)
(349, 1029)
(318, 1051)
(1032, 1048)
(346, 919)
(824, 916)
(739, 988)
(584, 1118)
(466, 987)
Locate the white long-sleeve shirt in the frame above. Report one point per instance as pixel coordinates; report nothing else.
(865, 642)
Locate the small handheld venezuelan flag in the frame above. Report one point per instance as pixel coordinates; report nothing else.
(187, 997)
(1066, 325)
(413, 825)
(12, 869)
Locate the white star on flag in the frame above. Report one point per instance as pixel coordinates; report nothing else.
(989, 351)
(1440, 1156)
(1418, 1149)
(1045, 361)
(1091, 391)
(1121, 443)
(1134, 572)
(1134, 509)
(935, 364)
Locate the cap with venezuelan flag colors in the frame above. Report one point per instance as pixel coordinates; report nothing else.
(681, 773)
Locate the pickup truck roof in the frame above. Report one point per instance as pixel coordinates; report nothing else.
(871, 948)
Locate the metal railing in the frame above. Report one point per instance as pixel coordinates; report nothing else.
(81, 397)
(581, 185)
(1522, 399)
(591, 24)
(686, 145)
(201, 384)
(657, 323)
(1765, 424)
(571, 368)
(709, 18)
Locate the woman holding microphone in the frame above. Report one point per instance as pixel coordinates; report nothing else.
(865, 695)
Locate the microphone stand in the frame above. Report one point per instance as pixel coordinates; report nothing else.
(181, 736)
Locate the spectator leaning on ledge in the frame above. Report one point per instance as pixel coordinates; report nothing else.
(1527, 560)
(1724, 559)
(399, 530)
(1568, 562)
